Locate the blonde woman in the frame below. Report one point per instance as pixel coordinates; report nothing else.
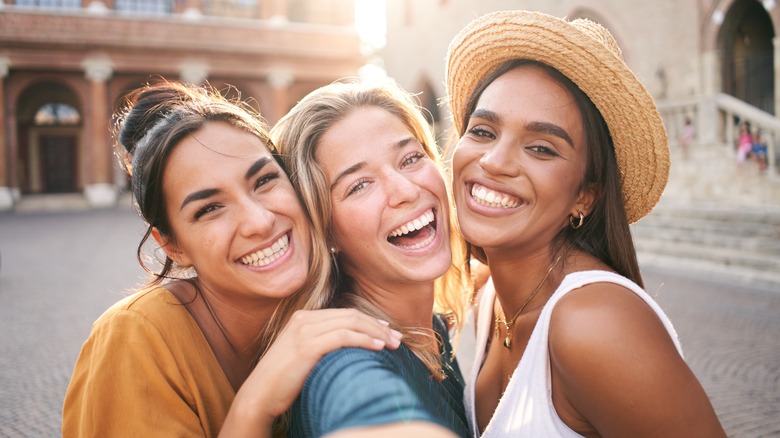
(364, 160)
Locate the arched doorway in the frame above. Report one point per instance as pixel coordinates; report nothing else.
(747, 54)
(49, 127)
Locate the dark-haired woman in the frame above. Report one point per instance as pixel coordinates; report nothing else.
(560, 149)
(240, 260)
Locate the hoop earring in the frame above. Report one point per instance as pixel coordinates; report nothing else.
(580, 222)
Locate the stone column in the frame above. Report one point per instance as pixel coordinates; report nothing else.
(776, 44)
(193, 10)
(274, 10)
(6, 192)
(193, 71)
(280, 81)
(99, 189)
(707, 123)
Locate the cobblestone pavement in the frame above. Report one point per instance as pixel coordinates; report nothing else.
(731, 339)
(60, 271)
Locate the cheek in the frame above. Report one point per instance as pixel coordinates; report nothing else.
(458, 160)
(436, 182)
(466, 152)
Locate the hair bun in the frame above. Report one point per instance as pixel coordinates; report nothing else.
(145, 108)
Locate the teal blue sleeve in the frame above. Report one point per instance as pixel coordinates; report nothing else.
(352, 387)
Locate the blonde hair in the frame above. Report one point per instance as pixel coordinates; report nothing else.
(298, 134)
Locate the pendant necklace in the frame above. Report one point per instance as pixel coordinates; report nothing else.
(508, 324)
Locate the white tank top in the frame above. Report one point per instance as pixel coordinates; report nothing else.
(526, 408)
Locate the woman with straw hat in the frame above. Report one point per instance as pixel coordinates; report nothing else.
(560, 149)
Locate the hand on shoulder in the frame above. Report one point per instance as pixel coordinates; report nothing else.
(279, 376)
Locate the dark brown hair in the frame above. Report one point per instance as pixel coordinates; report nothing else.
(155, 119)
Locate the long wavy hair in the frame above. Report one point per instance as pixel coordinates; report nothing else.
(155, 119)
(298, 134)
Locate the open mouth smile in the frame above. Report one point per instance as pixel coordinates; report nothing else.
(416, 233)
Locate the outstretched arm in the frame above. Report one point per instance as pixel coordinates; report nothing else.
(414, 428)
(279, 376)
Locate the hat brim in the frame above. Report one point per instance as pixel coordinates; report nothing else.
(638, 133)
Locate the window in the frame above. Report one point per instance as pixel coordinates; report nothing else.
(144, 7)
(49, 4)
(231, 8)
(57, 114)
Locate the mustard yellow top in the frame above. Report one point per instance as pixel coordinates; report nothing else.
(146, 370)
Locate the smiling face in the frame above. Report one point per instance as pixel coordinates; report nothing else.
(389, 202)
(520, 164)
(234, 215)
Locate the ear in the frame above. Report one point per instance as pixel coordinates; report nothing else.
(585, 200)
(171, 249)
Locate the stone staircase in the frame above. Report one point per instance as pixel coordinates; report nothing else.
(715, 218)
(732, 245)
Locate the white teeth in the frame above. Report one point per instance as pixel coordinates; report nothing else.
(489, 198)
(269, 254)
(413, 225)
(421, 244)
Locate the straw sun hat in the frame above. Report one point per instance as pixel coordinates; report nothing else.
(586, 53)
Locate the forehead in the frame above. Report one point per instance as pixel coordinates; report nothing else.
(212, 148)
(222, 138)
(529, 84)
(529, 94)
(361, 133)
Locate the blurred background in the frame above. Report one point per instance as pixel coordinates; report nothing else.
(65, 66)
(711, 249)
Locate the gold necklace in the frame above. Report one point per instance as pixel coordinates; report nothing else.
(511, 322)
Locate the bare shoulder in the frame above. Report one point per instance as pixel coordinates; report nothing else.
(601, 315)
(616, 370)
(613, 327)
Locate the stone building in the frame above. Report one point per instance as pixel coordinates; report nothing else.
(65, 66)
(680, 49)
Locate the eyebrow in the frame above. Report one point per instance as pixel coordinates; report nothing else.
(257, 166)
(538, 127)
(356, 167)
(206, 193)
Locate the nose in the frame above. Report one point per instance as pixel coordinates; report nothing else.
(400, 189)
(255, 219)
(501, 159)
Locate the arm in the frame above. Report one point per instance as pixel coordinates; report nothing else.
(353, 390)
(277, 379)
(126, 380)
(616, 371)
(414, 428)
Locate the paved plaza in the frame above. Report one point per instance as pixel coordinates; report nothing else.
(60, 271)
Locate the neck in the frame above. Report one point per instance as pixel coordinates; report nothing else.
(516, 278)
(241, 321)
(407, 304)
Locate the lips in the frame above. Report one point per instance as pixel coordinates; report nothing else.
(268, 254)
(416, 233)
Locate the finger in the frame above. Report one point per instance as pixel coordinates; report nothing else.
(314, 323)
(332, 340)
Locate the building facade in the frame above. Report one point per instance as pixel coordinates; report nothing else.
(682, 50)
(65, 66)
